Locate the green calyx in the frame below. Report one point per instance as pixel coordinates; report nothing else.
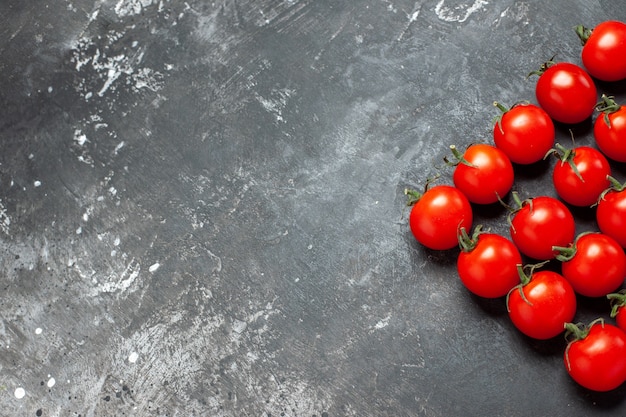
(526, 273)
(566, 156)
(414, 195)
(606, 106)
(617, 300)
(567, 253)
(458, 156)
(543, 68)
(583, 33)
(498, 119)
(615, 186)
(467, 243)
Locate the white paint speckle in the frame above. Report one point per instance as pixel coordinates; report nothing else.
(132, 358)
(38, 330)
(51, 382)
(37, 183)
(154, 267)
(19, 393)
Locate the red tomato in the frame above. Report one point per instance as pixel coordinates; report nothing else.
(566, 92)
(604, 50)
(618, 308)
(541, 223)
(483, 173)
(595, 264)
(611, 212)
(525, 133)
(438, 215)
(541, 305)
(609, 129)
(596, 357)
(581, 175)
(487, 264)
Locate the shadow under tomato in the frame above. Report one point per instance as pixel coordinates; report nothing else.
(596, 401)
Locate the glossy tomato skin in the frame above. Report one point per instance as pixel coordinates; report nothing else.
(525, 133)
(598, 361)
(438, 215)
(604, 52)
(489, 176)
(598, 266)
(593, 168)
(548, 303)
(611, 215)
(489, 269)
(541, 223)
(620, 318)
(566, 92)
(611, 138)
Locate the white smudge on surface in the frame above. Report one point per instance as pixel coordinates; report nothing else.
(5, 220)
(459, 12)
(19, 393)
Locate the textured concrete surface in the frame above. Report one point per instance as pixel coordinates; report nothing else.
(202, 209)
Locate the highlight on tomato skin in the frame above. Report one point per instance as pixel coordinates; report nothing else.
(595, 356)
(595, 264)
(542, 303)
(566, 92)
(525, 132)
(580, 175)
(539, 224)
(487, 263)
(604, 50)
(483, 173)
(437, 216)
(609, 128)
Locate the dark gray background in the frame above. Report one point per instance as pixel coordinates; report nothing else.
(202, 208)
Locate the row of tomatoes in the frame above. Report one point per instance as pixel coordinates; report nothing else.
(542, 302)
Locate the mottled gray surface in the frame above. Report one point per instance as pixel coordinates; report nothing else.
(202, 209)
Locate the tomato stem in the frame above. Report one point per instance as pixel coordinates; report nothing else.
(413, 196)
(467, 243)
(618, 300)
(542, 68)
(583, 33)
(460, 159)
(565, 156)
(606, 106)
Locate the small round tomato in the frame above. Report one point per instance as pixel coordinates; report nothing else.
(566, 92)
(595, 264)
(581, 175)
(595, 356)
(541, 305)
(525, 133)
(611, 212)
(541, 223)
(609, 129)
(437, 216)
(483, 173)
(618, 308)
(487, 263)
(604, 50)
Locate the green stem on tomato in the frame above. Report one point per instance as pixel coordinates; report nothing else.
(583, 33)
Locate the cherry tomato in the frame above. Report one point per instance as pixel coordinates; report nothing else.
(539, 224)
(604, 50)
(487, 263)
(566, 92)
(611, 212)
(541, 305)
(525, 133)
(437, 216)
(609, 129)
(595, 356)
(483, 173)
(595, 264)
(581, 175)
(618, 308)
